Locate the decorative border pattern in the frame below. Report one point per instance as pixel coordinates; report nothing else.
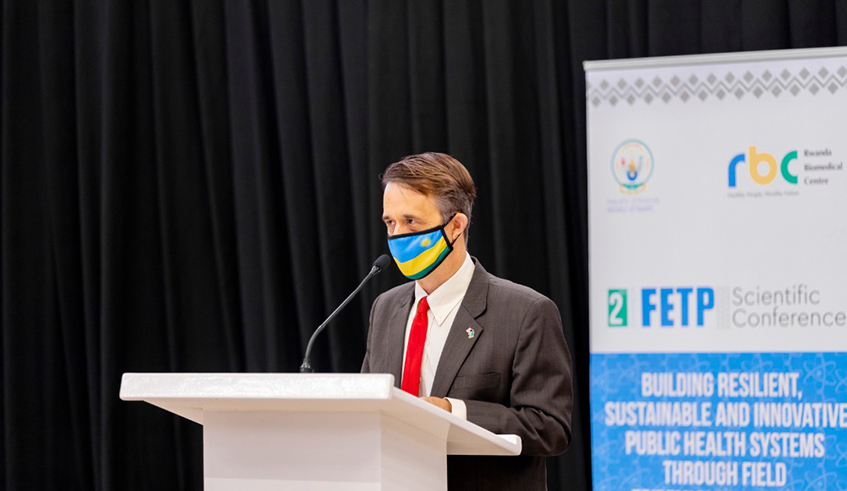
(721, 87)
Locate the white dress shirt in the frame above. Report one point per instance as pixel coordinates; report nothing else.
(443, 305)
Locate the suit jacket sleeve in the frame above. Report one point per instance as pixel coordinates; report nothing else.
(366, 367)
(541, 393)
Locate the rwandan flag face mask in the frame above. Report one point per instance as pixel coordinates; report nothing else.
(417, 254)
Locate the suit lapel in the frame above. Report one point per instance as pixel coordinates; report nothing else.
(397, 335)
(458, 344)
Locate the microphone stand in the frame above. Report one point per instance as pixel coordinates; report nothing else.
(378, 266)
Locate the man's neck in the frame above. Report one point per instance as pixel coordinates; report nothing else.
(445, 270)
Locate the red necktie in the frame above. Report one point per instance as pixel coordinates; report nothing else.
(414, 351)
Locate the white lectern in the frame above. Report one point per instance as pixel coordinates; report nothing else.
(308, 432)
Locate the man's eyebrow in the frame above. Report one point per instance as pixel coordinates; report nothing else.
(407, 215)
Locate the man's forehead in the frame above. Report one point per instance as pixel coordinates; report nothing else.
(395, 191)
(402, 188)
(403, 200)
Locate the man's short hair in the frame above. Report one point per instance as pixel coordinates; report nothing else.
(438, 175)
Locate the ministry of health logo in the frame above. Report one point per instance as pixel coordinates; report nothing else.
(632, 166)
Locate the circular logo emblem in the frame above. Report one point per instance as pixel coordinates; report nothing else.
(632, 166)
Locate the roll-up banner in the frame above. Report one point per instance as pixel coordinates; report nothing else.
(718, 271)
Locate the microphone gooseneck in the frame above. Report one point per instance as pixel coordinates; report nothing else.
(380, 264)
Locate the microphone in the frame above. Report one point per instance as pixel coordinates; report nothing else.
(381, 263)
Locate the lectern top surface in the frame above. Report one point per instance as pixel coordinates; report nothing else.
(192, 395)
(144, 386)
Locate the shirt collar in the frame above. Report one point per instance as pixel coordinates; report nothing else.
(449, 295)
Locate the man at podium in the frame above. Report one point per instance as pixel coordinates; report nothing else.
(484, 348)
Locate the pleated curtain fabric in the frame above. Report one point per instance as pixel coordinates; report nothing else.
(193, 185)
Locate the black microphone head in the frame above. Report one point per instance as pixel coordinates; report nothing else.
(381, 263)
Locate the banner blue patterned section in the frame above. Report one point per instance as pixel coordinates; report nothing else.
(719, 421)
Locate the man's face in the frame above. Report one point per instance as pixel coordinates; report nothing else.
(405, 210)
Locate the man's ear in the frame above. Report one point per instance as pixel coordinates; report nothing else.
(459, 224)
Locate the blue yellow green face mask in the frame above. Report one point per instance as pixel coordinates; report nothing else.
(417, 254)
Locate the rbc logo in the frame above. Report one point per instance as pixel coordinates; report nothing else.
(756, 158)
(657, 303)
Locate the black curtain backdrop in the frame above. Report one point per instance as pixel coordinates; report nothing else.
(193, 186)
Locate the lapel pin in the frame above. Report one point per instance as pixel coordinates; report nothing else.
(470, 332)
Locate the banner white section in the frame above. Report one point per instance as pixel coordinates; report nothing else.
(717, 201)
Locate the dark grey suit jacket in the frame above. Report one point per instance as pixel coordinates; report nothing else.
(514, 374)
